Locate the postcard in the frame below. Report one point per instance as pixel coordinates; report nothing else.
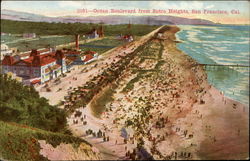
(124, 80)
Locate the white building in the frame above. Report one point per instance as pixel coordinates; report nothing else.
(29, 35)
(39, 67)
(5, 51)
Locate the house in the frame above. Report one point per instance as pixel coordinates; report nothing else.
(5, 51)
(89, 56)
(159, 35)
(79, 57)
(39, 67)
(3, 33)
(72, 57)
(86, 57)
(29, 35)
(94, 33)
(127, 38)
(71, 53)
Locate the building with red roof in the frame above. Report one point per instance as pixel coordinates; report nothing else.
(79, 57)
(89, 56)
(42, 65)
(127, 38)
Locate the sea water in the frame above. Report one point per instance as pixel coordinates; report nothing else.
(226, 45)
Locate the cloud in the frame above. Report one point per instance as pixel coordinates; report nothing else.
(176, 5)
(101, 4)
(69, 4)
(209, 7)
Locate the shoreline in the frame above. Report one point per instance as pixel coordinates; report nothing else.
(180, 122)
(228, 102)
(180, 41)
(198, 116)
(239, 98)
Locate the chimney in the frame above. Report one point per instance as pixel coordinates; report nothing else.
(34, 52)
(77, 41)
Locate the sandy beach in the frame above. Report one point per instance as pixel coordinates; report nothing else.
(169, 112)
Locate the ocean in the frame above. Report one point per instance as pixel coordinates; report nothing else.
(227, 45)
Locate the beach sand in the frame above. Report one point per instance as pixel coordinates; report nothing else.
(174, 111)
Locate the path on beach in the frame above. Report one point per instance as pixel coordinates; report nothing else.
(166, 103)
(89, 71)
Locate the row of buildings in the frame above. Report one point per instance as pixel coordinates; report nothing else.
(25, 35)
(40, 66)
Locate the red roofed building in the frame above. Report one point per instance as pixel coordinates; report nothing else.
(41, 65)
(8, 60)
(89, 56)
(127, 38)
(79, 57)
(72, 53)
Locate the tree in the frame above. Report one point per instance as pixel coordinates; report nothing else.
(26, 107)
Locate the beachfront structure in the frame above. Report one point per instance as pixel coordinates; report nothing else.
(29, 35)
(159, 35)
(5, 51)
(39, 67)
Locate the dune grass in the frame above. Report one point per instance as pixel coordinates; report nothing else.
(98, 104)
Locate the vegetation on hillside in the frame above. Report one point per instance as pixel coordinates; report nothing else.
(45, 28)
(83, 95)
(35, 43)
(22, 104)
(101, 46)
(98, 104)
(26, 118)
(20, 142)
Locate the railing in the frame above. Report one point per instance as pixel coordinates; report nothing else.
(221, 65)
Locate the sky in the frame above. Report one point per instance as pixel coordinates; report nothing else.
(70, 8)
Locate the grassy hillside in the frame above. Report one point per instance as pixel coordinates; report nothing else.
(26, 118)
(17, 41)
(45, 28)
(20, 142)
(22, 104)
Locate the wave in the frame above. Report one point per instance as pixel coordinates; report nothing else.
(220, 45)
(192, 36)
